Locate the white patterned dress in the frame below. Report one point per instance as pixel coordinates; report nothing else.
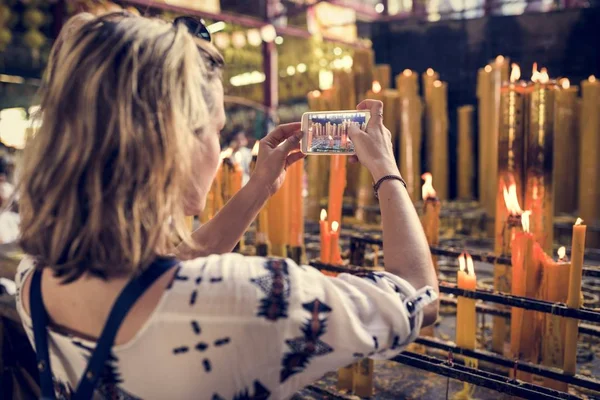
(235, 327)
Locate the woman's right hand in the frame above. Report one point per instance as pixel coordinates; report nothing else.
(373, 146)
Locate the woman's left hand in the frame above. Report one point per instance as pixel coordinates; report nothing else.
(276, 152)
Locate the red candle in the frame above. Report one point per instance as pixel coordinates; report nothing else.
(336, 257)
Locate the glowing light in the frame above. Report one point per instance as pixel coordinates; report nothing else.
(323, 215)
(216, 27)
(429, 71)
(427, 191)
(268, 33)
(325, 79)
(579, 221)
(592, 78)
(535, 74)
(379, 8)
(437, 84)
(238, 39)
(254, 37)
(316, 93)
(222, 40)
(566, 83)
(515, 73)
(376, 87)
(301, 68)
(525, 220)
(347, 62)
(291, 70)
(226, 153)
(499, 59)
(278, 40)
(255, 148)
(335, 226)
(337, 51)
(14, 127)
(247, 78)
(407, 72)
(562, 252)
(488, 68)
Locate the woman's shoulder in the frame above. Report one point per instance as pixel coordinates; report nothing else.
(226, 283)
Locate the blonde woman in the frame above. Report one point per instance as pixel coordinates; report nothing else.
(128, 145)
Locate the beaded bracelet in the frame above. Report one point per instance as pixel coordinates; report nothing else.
(387, 178)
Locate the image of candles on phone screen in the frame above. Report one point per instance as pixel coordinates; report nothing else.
(326, 132)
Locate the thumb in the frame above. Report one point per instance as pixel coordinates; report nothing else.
(353, 131)
(292, 143)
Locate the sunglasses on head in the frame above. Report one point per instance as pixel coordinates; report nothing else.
(195, 26)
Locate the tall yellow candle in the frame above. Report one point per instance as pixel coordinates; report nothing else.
(566, 147)
(410, 132)
(465, 152)
(466, 317)
(437, 137)
(484, 88)
(337, 184)
(589, 148)
(574, 296)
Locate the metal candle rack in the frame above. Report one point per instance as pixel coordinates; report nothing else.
(479, 377)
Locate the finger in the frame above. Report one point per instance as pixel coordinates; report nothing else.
(353, 159)
(292, 158)
(291, 143)
(376, 109)
(281, 133)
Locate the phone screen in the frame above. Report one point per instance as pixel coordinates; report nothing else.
(327, 132)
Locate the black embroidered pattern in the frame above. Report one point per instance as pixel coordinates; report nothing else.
(260, 393)
(307, 346)
(202, 346)
(276, 286)
(110, 378)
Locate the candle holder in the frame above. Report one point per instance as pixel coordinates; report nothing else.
(297, 253)
(262, 249)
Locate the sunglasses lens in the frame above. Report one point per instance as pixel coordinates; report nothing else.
(195, 26)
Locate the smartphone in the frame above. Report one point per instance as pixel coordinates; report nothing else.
(326, 132)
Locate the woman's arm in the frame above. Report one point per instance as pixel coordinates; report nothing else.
(406, 252)
(220, 234)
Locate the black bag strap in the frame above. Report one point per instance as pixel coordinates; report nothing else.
(88, 382)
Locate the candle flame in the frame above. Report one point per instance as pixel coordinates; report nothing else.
(226, 153)
(562, 252)
(511, 200)
(592, 78)
(535, 74)
(500, 59)
(376, 88)
(316, 93)
(407, 72)
(566, 83)
(544, 77)
(335, 226)
(461, 262)
(255, 148)
(323, 214)
(525, 220)
(488, 68)
(330, 137)
(437, 83)
(430, 71)
(579, 221)
(427, 191)
(515, 73)
(470, 266)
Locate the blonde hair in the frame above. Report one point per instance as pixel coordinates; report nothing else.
(103, 178)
